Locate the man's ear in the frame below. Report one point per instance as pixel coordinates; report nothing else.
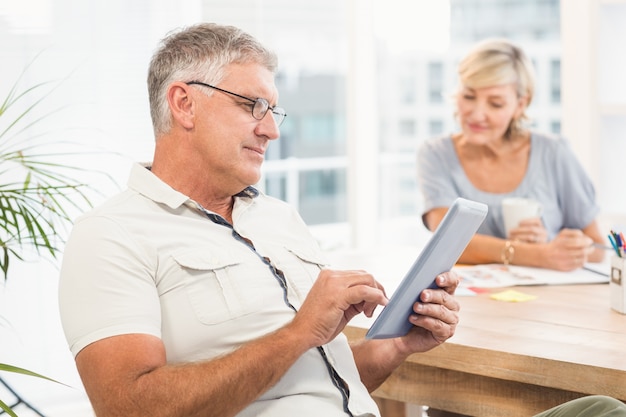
(182, 105)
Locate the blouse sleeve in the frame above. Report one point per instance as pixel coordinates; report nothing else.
(434, 174)
(576, 191)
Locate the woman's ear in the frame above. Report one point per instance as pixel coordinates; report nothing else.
(182, 104)
(522, 103)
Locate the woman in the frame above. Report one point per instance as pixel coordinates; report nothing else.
(494, 157)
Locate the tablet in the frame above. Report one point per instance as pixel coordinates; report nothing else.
(439, 255)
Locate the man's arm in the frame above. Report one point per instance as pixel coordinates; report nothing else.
(128, 376)
(434, 324)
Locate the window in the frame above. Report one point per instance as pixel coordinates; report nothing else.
(407, 128)
(406, 82)
(323, 196)
(555, 81)
(407, 89)
(318, 129)
(435, 82)
(594, 113)
(435, 127)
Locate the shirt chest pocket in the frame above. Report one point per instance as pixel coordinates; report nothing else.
(222, 285)
(301, 267)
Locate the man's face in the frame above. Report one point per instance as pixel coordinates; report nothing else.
(231, 142)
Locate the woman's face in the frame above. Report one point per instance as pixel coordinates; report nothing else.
(485, 113)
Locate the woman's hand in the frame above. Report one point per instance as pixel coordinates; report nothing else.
(569, 250)
(530, 231)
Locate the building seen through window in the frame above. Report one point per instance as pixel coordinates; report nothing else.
(414, 91)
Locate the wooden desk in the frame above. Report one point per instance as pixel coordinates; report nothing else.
(517, 359)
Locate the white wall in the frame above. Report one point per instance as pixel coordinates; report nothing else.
(103, 49)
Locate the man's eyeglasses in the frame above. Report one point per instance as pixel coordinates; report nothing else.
(259, 108)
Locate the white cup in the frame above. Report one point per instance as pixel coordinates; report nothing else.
(516, 209)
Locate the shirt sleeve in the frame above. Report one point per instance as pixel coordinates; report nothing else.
(106, 285)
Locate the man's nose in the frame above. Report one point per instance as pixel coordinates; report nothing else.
(267, 126)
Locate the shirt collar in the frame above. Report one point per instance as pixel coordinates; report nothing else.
(249, 192)
(143, 181)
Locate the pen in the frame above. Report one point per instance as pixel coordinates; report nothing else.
(620, 242)
(601, 246)
(595, 271)
(614, 244)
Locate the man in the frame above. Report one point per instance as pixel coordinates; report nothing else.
(192, 294)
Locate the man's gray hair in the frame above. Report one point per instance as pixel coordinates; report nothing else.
(200, 52)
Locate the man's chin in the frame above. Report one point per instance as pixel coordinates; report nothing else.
(253, 178)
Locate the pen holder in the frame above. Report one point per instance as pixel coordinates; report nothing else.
(618, 284)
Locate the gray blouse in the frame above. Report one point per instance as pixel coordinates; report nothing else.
(554, 177)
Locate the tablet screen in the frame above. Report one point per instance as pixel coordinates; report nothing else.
(439, 255)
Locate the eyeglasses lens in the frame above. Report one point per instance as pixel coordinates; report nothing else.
(260, 108)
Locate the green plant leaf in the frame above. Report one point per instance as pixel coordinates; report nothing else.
(14, 369)
(7, 409)
(22, 371)
(39, 191)
(41, 194)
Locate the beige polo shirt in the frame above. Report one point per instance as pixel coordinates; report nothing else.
(149, 261)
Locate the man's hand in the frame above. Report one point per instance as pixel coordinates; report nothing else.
(335, 298)
(436, 318)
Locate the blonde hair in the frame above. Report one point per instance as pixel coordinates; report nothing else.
(498, 62)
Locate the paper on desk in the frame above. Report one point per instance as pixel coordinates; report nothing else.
(498, 275)
(512, 296)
